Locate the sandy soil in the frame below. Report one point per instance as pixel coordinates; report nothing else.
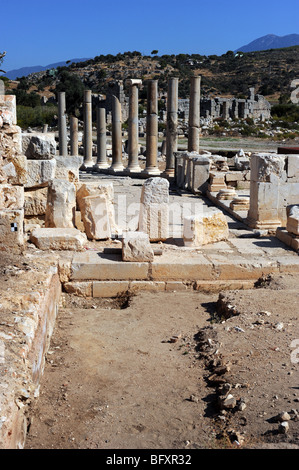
(153, 371)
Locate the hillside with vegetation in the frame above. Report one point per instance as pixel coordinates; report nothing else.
(270, 72)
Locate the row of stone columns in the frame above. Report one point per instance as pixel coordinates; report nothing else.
(151, 129)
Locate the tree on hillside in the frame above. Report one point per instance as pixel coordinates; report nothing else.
(154, 52)
(2, 55)
(73, 88)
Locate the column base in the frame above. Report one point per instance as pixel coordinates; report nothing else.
(116, 169)
(101, 166)
(87, 165)
(262, 225)
(133, 169)
(168, 173)
(151, 171)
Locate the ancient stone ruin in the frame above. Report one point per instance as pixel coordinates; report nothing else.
(70, 215)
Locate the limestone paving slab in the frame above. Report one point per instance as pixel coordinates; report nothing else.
(100, 266)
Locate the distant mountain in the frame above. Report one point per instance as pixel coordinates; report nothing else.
(270, 41)
(25, 71)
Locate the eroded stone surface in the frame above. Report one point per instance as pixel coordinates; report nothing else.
(61, 204)
(136, 247)
(205, 228)
(58, 239)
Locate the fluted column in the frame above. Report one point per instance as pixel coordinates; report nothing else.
(117, 164)
(152, 129)
(62, 131)
(172, 125)
(194, 115)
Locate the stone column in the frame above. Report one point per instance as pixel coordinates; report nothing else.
(133, 165)
(88, 162)
(62, 124)
(74, 135)
(225, 110)
(172, 124)
(152, 129)
(194, 115)
(102, 161)
(117, 164)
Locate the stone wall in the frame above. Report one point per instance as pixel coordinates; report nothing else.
(274, 185)
(255, 106)
(13, 176)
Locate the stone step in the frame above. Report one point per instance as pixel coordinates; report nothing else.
(99, 266)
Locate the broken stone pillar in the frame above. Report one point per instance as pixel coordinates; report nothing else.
(200, 174)
(136, 247)
(240, 204)
(133, 134)
(217, 182)
(172, 124)
(194, 115)
(154, 209)
(74, 135)
(61, 204)
(96, 189)
(87, 137)
(95, 217)
(62, 124)
(152, 129)
(179, 165)
(102, 162)
(208, 227)
(117, 164)
(267, 174)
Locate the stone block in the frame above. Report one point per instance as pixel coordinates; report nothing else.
(12, 230)
(183, 269)
(200, 174)
(11, 197)
(293, 167)
(58, 239)
(109, 289)
(94, 266)
(17, 169)
(67, 168)
(96, 189)
(154, 209)
(8, 107)
(207, 227)
(80, 289)
(40, 172)
(39, 146)
(136, 247)
(216, 182)
(234, 176)
(35, 203)
(151, 286)
(293, 219)
(267, 167)
(94, 213)
(79, 222)
(61, 204)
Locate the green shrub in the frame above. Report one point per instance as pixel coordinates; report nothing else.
(35, 117)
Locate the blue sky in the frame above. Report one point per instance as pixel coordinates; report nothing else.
(40, 33)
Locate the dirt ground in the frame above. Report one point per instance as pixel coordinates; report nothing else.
(173, 370)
